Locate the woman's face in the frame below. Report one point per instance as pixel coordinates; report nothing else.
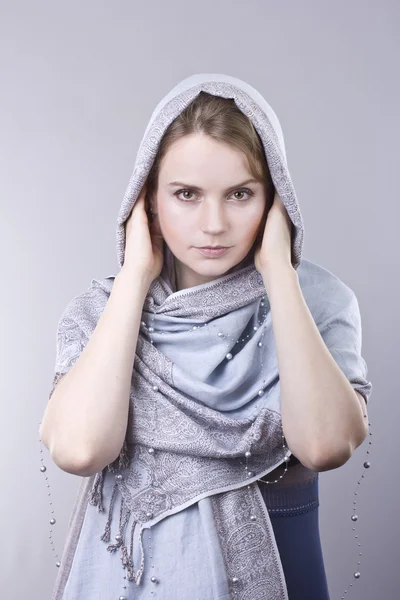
(204, 198)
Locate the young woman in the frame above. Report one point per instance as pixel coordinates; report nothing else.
(200, 392)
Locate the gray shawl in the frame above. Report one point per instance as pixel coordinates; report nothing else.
(202, 528)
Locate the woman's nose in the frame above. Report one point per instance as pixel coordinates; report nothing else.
(213, 218)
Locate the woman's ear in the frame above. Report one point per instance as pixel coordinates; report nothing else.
(151, 204)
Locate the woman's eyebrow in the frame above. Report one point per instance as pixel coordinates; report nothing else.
(199, 189)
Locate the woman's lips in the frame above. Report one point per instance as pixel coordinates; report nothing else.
(212, 252)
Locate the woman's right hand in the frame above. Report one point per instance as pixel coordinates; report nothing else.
(144, 244)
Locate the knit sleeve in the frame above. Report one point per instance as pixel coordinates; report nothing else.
(340, 326)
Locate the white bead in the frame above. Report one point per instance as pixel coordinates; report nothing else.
(151, 450)
(235, 579)
(229, 356)
(52, 521)
(150, 329)
(253, 518)
(260, 344)
(155, 388)
(247, 454)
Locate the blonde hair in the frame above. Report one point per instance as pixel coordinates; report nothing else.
(222, 120)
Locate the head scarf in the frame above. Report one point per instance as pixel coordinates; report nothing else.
(197, 411)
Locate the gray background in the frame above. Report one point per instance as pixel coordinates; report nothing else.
(79, 82)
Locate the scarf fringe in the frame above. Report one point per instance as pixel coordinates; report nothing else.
(96, 493)
(96, 499)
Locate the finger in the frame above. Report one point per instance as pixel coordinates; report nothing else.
(142, 194)
(143, 190)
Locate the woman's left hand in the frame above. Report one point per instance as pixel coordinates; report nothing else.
(276, 244)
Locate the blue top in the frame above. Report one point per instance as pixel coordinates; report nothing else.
(295, 520)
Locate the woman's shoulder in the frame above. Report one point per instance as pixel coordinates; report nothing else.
(313, 274)
(323, 291)
(83, 310)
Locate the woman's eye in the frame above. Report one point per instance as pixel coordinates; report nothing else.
(179, 192)
(189, 193)
(249, 192)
